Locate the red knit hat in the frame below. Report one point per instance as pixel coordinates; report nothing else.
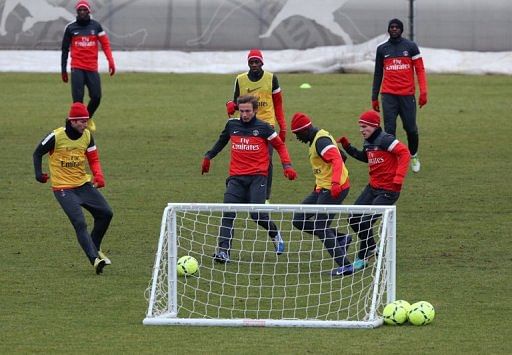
(83, 3)
(255, 54)
(300, 121)
(78, 111)
(370, 118)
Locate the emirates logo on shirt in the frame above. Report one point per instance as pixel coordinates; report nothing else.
(396, 64)
(245, 145)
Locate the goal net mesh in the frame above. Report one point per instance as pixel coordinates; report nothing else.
(258, 284)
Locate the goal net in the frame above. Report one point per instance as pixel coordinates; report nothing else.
(257, 287)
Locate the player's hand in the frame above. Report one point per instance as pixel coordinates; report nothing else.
(205, 167)
(375, 105)
(290, 173)
(423, 99)
(42, 178)
(231, 108)
(345, 143)
(111, 67)
(282, 134)
(64, 76)
(335, 190)
(98, 181)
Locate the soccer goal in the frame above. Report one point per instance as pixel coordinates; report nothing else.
(260, 288)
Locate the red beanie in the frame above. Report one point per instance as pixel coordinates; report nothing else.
(83, 3)
(255, 54)
(78, 111)
(300, 121)
(370, 118)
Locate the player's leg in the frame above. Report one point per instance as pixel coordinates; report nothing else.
(93, 84)
(336, 246)
(235, 193)
(270, 172)
(77, 85)
(390, 110)
(257, 190)
(360, 224)
(305, 221)
(94, 202)
(70, 203)
(408, 116)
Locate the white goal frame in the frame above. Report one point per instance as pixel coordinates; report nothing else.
(383, 290)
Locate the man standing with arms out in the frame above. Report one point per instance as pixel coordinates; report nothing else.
(82, 36)
(396, 62)
(388, 161)
(265, 86)
(68, 147)
(250, 138)
(331, 188)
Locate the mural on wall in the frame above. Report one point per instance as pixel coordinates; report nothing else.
(320, 11)
(52, 17)
(227, 25)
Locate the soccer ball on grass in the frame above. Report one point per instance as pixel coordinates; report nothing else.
(421, 313)
(187, 265)
(394, 313)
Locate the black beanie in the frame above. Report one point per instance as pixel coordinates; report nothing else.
(396, 22)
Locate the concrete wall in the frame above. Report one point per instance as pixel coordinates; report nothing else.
(199, 25)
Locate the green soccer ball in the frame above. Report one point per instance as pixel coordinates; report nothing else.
(421, 313)
(187, 265)
(394, 314)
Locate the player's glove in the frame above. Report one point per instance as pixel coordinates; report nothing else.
(111, 67)
(64, 76)
(205, 167)
(423, 99)
(98, 181)
(290, 173)
(375, 105)
(282, 134)
(335, 190)
(42, 178)
(231, 107)
(345, 143)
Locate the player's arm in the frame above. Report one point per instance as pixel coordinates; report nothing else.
(105, 45)
(44, 147)
(280, 147)
(277, 100)
(351, 150)
(403, 155)
(331, 155)
(219, 144)
(378, 74)
(66, 43)
(216, 149)
(93, 159)
(419, 68)
(231, 105)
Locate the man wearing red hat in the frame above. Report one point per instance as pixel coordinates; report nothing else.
(331, 187)
(68, 148)
(396, 62)
(249, 138)
(388, 162)
(82, 37)
(265, 86)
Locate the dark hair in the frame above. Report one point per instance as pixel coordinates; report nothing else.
(248, 99)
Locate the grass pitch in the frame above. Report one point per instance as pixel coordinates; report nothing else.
(454, 217)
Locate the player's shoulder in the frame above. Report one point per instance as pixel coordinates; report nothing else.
(385, 140)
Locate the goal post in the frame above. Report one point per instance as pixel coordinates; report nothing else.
(258, 287)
